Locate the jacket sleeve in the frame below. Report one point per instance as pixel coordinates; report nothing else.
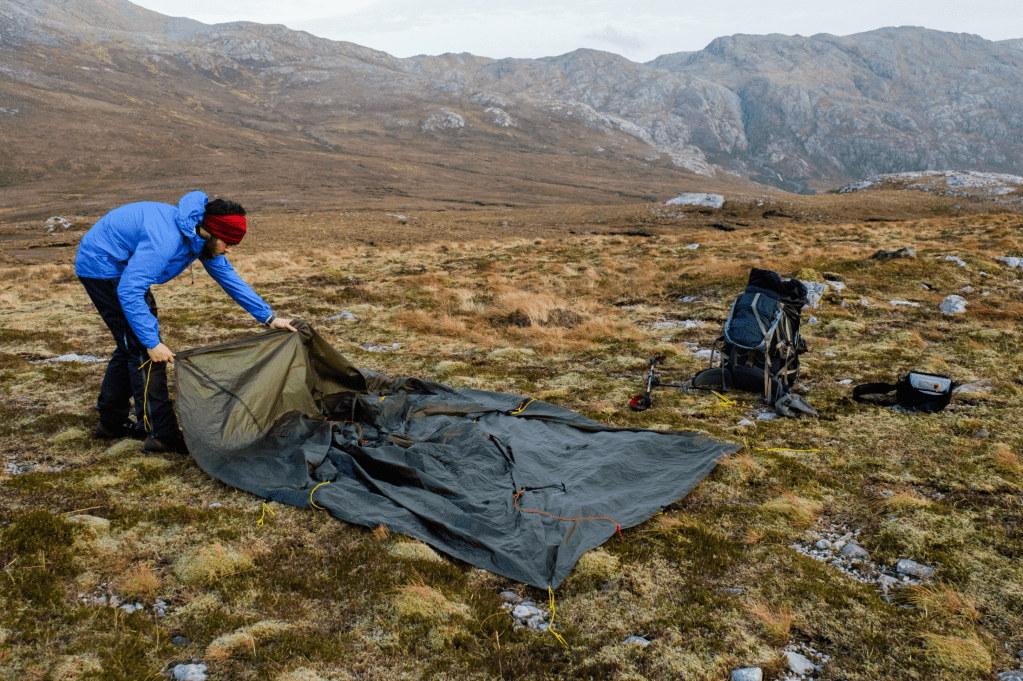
(222, 272)
(141, 272)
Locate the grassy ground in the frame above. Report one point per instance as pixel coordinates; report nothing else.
(300, 596)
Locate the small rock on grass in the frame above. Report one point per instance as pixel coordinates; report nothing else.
(522, 612)
(190, 672)
(953, 305)
(800, 664)
(511, 597)
(913, 568)
(1014, 675)
(855, 551)
(747, 674)
(536, 622)
(180, 641)
(637, 641)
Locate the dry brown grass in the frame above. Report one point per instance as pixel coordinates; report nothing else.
(943, 602)
(493, 313)
(140, 580)
(958, 655)
(776, 621)
(904, 502)
(799, 511)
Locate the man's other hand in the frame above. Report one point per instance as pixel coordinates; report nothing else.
(279, 323)
(161, 353)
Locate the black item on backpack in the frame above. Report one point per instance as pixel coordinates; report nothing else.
(761, 344)
(916, 391)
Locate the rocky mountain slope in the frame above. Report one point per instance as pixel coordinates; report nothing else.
(106, 94)
(885, 101)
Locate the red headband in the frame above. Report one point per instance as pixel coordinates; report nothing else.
(228, 228)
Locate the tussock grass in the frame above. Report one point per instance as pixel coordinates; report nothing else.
(567, 318)
(777, 622)
(199, 567)
(140, 581)
(956, 655)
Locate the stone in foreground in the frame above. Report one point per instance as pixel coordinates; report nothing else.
(637, 641)
(511, 597)
(913, 568)
(190, 672)
(800, 664)
(855, 551)
(747, 674)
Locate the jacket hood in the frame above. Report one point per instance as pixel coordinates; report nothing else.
(191, 208)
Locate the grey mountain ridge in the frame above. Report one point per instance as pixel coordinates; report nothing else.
(795, 112)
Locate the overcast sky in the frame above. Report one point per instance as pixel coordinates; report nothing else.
(639, 30)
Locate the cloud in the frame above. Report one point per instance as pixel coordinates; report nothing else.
(612, 36)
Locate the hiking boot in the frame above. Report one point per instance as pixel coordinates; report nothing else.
(169, 443)
(129, 429)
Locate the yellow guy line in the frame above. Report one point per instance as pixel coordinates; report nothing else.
(550, 625)
(785, 449)
(311, 495)
(523, 407)
(145, 397)
(265, 509)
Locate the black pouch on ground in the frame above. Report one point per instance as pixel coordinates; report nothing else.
(286, 417)
(916, 391)
(760, 348)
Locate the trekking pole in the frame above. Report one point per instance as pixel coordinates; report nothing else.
(642, 402)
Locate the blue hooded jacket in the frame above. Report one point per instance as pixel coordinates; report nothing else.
(151, 243)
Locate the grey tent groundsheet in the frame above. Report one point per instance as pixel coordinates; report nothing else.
(286, 417)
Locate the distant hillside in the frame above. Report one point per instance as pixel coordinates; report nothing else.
(102, 93)
(1016, 43)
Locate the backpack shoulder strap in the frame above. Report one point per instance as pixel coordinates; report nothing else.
(872, 389)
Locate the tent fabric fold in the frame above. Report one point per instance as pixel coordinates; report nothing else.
(287, 417)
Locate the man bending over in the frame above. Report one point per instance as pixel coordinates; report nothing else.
(120, 257)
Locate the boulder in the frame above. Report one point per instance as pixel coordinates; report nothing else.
(894, 255)
(953, 305)
(708, 200)
(814, 292)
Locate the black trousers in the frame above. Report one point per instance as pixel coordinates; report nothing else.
(130, 373)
